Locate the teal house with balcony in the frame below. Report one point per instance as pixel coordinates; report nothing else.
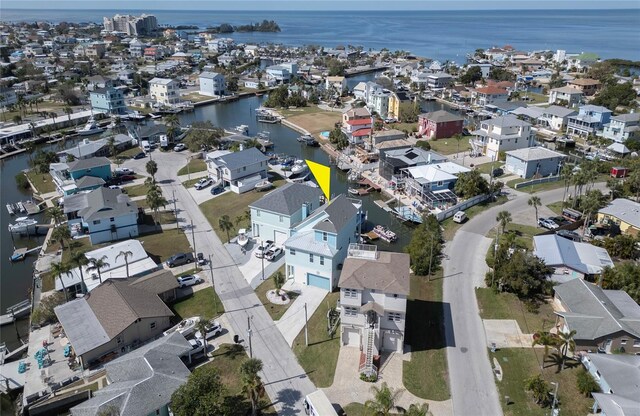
(98, 167)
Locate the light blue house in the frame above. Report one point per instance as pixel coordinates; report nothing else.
(318, 245)
(241, 171)
(80, 175)
(590, 119)
(100, 167)
(108, 100)
(433, 184)
(534, 161)
(275, 214)
(618, 376)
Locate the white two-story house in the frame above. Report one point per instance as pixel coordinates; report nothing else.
(315, 252)
(501, 134)
(164, 91)
(238, 170)
(622, 127)
(374, 286)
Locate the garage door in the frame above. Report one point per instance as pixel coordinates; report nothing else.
(390, 342)
(318, 281)
(279, 237)
(351, 337)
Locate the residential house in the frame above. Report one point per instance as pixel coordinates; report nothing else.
(393, 161)
(485, 69)
(7, 97)
(488, 95)
(590, 119)
(534, 162)
(570, 259)
(241, 171)
(96, 50)
(433, 184)
(587, 86)
(162, 282)
(395, 99)
(529, 114)
(99, 167)
(567, 96)
(439, 80)
(104, 214)
(112, 320)
(97, 148)
(136, 48)
(624, 213)
(142, 381)
(357, 124)
(622, 127)
(154, 52)
(108, 100)
(336, 83)
(389, 145)
(212, 84)
(420, 78)
(315, 252)
(164, 91)
(439, 124)
(360, 91)
(379, 102)
(282, 73)
(374, 286)
(386, 135)
(619, 379)
(501, 134)
(555, 117)
(604, 320)
(276, 213)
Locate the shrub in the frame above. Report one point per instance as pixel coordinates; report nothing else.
(22, 181)
(586, 383)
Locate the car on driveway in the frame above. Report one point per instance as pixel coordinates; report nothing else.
(217, 190)
(179, 147)
(123, 171)
(203, 183)
(140, 155)
(547, 223)
(570, 235)
(196, 346)
(273, 253)
(263, 248)
(189, 280)
(212, 329)
(179, 259)
(497, 172)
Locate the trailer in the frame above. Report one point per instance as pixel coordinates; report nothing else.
(317, 404)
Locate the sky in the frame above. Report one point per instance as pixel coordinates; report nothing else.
(316, 4)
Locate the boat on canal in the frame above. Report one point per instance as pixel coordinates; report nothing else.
(90, 128)
(23, 225)
(385, 234)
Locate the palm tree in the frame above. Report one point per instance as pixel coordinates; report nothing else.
(56, 214)
(155, 199)
(173, 126)
(79, 259)
(566, 343)
(97, 264)
(68, 111)
(126, 255)
(545, 339)
(278, 281)
(504, 218)
(225, 225)
(566, 174)
(384, 400)
(458, 138)
(591, 203)
(539, 388)
(252, 383)
(418, 410)
(111, 144)
(202, 327)
(535, 202)
(61, 234)
(152, 169)
(60, 269)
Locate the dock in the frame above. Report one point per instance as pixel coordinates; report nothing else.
(382, 204)
(16, 311)
(21, 253)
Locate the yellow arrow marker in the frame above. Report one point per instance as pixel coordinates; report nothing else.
(322, 174)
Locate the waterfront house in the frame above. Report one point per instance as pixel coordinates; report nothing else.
(604, 320)
(555, 117)
(501, 134)
(590, 120)
(108, 100)
(142, 381)
(587, 86)
(439, 124)
(103, 214)
(241, 170)
(360, 91)
(433, 184)
(374, 286)
(420, 78)
(161, 282)
(624, 213)
(357, 124)
(164, 91)
(212, 84)
(389, 145)
(99, 167)
(276, 213)
(619, 379)
(386, 136)
(112, 320)
(571, 259)
(315, 252)
(488, 95)
(336, 83)
(485, 69)
(379, 102)
(282, 73)
(394, 160)
(88, 174)
(534, 162)
(439, 80)
(622, 127)
(98, 148)
(566, 96)
(394, 108)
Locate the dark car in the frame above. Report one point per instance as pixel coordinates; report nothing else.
(497, 172)
(217, 190)
(180, 259)
(126, 178)
(140, 155)
(570, 235)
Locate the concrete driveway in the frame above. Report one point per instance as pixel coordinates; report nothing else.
(293, 321)
(505, 333)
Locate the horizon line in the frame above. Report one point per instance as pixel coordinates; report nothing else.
(329, 10)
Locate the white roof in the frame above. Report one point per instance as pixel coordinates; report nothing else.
(618, 148)
(556, 251)
(437, 172)
(161, 81)
(210, 75)
(534, 153)
(625, 210)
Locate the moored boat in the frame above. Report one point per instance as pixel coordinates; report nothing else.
(263, 185)
(22, 225)
(299, 166)
(385, 234)
(90, 128)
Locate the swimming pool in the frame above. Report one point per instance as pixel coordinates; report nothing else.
(325, 134)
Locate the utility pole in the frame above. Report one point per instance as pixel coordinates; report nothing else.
(306, 320)
(193, 237)
(175, 209)
(215, 301)
(249, 333)
(262, 257)
(555, 398)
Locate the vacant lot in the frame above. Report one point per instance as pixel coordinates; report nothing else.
(41, 181)
(316, 122)
(507, 306)
(204, 303)
(194, 165)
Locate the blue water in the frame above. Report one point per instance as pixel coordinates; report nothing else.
(443, 35)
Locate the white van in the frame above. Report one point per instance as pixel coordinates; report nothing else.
(317, 404)
(145, 146)
(459, 217)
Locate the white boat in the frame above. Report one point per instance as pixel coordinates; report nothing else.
(22, 225)
(354, 191)
(242, 129)
(10, 209)
(90, 128)
(299, 167)
(155, 116)
(263, 185)
(242, 239)
(186, 327)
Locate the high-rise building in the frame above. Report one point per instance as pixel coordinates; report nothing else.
(131, 25)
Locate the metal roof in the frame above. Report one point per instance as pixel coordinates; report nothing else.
(556, 251)
(534, 153)
(620, 371)
(625, 210)
(81, 326)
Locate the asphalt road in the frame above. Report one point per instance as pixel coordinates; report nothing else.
(473, 387)
(285, 381)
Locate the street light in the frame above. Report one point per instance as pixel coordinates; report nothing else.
(262, 257)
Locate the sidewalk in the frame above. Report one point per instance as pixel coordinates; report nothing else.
(292, 322)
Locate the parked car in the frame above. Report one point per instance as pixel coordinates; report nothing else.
(497, 172)
(273, 253)
(201, 260)
(140, 155)
(547, 223)
(122, 171)
(203, 183)
(217, 190)
(189, 280)
(570, 235)
(212, 329)
(196, 346)
(179, 147)
(263, 248)
(180, 259)
(459, 217)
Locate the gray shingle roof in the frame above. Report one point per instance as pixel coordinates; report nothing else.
(156, 282)
(389, 273)
(441, 116)
(556, 110)
(621, 372)
(340, 210)
(627, 117)
(92, 162)
(106, 203)
(534, 153)
(625, 210)
(505, 121)
(288, 199)
(89, 181)
(243, 158)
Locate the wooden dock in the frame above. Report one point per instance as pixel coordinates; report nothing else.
(31, 207)
(16, 311)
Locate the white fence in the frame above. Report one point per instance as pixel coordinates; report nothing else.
(441, 216)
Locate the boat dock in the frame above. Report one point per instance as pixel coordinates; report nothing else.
(31, 207)
(20, 309)
(21, 253)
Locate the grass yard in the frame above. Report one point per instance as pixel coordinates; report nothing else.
(486, 168)
(191, 182)
(507, 306)
(426, 374)
(161, 246)
(128, 154)
(549, 185)
(451, 227)
(48, 281)
(519, 364)
(276, 311)
(524, 235)
(358, 409)
(410, 127)
(194, 165)
(204, 303)
(310, 109)
(316, 122)
(449, 146)
(136, 190)
(319, 359)
(556, 207)
(42, 182)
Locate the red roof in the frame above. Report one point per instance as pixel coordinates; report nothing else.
(491, 90)
(362, 132)
(359, 122)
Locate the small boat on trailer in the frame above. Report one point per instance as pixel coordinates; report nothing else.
(263, 185)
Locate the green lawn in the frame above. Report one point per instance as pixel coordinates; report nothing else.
(191, 182)
(410, 127)
(286, 112)
(42, 182)
(48, 281)
(276, 311)
(549, 185)
(194, 165)
(136, 190)
(449, 145)
(204, 303)
(127, 154)
(451, 227)
(319, 359)
(535, 98)
(426, 374)
(524, 235)
(486, 167)
(358, 409)
(161, 246)
(556, 207)
(507, 306)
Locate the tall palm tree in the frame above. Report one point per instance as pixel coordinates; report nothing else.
(126, 255)
(591, 203)
(56, 214)
(68, 111)
(61, 234)
(566, 343)
(97, 264)
(252, 383)
(384, 400)
(152, 169)
(60, 269)
(504, 218)
(173, 126)
(547, 340)
(79, 259)
(155, 199)
(225, 225)
(566, 174)
(535, 202)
